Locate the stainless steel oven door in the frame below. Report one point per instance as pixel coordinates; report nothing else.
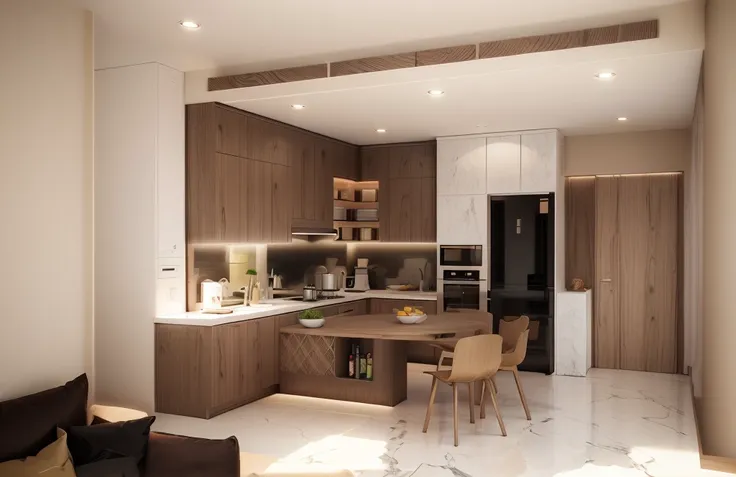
(462, 294)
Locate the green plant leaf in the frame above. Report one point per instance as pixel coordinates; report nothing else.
(311, 315)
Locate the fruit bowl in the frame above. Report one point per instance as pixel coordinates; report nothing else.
(410, 315)
(411, 319)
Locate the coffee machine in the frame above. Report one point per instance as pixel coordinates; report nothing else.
(360, 280)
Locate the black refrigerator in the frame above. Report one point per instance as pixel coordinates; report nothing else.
(522, 270)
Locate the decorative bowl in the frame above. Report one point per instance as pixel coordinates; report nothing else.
(312, 323)
(411, 319)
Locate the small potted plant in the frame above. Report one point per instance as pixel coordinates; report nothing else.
(252, 275)
(311, 319)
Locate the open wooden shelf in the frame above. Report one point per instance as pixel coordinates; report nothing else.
(349, 204)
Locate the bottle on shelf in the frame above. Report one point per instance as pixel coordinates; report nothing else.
(369, 366)
(363, 367)
(357, 361)
(351, 366)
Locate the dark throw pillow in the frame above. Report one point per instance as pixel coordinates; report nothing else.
(109, 441)
(118, 467)
(28, 424)
(170, 455)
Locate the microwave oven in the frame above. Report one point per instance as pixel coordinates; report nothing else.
(461, 255)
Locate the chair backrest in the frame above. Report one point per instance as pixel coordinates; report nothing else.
(516, 357)
(476, 357)
(511, 329)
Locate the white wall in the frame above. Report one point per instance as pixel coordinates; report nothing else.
(46, 93)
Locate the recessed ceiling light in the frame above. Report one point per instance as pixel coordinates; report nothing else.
(605, 75)
(380, 131)
(622, 119)
(189, 24)
(435, 93)
(297, 106)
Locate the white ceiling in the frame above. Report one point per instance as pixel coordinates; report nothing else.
(277, 32)
(655, 86)
(654, 92)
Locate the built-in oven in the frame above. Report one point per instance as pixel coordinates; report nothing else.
(461, 255)
(462, 289)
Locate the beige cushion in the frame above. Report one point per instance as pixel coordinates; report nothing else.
(113, 413)
(52, 461)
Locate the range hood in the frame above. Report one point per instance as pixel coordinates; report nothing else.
(314, 233)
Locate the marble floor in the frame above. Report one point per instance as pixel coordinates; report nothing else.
(611, 423)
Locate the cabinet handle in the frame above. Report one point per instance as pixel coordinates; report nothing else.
(606, 280)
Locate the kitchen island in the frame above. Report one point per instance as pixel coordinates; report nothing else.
(314, 361)
(208, 364)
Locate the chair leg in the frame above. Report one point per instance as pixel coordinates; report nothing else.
(493, 381)
(495, 408)
(483, 400)
(454, 409)
(431, 403)
(515, 370)
(470, 401)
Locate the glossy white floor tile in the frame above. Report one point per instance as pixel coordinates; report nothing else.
(611, 423)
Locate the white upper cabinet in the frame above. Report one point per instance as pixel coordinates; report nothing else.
(461, 166)
(503, 164)
(539, 162)
(462, 219)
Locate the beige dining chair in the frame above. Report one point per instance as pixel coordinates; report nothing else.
(510, 328)
(447, 346)
(476, 358)
(510, 362)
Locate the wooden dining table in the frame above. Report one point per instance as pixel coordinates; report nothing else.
(314, 361)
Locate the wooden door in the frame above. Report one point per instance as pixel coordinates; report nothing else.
(281, 204)
(606, 340)
(256, 200)
(230, 190)
(648, 231)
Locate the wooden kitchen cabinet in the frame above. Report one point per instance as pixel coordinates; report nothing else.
(302, 179)
(227, 131)
(202, 175)
(405, 205)
(324, 154)
(268, 141)
(375, 166)
(203, 371)
(229, 206)
(257, 200)
(413, 161)
(281, 204)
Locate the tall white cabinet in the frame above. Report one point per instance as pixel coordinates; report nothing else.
(139, 224)
(471, 168)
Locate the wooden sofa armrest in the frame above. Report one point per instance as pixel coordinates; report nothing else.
(113, 413)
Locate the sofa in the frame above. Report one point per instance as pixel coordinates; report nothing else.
(29, 424)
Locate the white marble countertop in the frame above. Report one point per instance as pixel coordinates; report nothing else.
(281, 306)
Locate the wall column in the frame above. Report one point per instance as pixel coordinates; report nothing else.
(718, 420)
